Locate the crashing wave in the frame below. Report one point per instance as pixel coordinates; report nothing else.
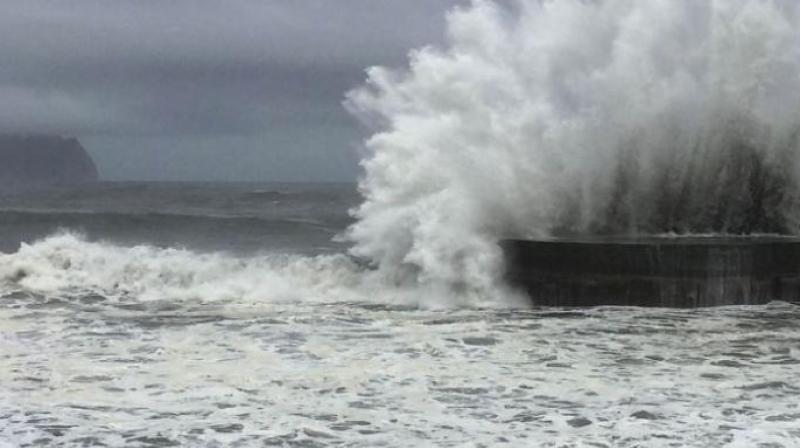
(547, 118)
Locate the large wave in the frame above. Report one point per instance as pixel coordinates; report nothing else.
(541, 118)
(68, 266)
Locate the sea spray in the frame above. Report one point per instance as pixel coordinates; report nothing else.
(545, 118)
(69, 266)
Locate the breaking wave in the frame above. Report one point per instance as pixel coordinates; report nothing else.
(550, 118)
(68, 266)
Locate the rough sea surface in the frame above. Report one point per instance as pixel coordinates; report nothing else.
(223, 315)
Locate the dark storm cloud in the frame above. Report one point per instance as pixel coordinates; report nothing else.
(253, 72)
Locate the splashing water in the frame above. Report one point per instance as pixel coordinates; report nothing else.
(546, 118)
(68, 266)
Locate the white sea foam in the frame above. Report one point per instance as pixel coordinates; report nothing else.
(68, 265)
(323, 375)
(539, 117)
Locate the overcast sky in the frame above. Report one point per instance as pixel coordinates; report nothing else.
(204, 89)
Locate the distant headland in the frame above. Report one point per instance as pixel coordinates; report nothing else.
(40, 160)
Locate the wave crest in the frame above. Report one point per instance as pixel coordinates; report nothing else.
(574, 117)
(67, 265)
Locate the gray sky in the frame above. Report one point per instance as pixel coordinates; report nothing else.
(204, 89)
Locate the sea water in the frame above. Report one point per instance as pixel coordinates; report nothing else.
(269, 315)
(232, 320)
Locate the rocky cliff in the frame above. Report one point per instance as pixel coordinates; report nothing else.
(44, 160)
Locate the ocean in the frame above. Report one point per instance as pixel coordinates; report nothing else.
(210, 315)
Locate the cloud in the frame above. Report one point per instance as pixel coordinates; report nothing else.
(182, 62)
(142, 69)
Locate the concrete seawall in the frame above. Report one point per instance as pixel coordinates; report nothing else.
(661, 272)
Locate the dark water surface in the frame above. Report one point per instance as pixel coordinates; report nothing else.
(244, 217)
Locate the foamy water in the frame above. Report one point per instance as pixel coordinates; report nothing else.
(85, 372)
(138, 346)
